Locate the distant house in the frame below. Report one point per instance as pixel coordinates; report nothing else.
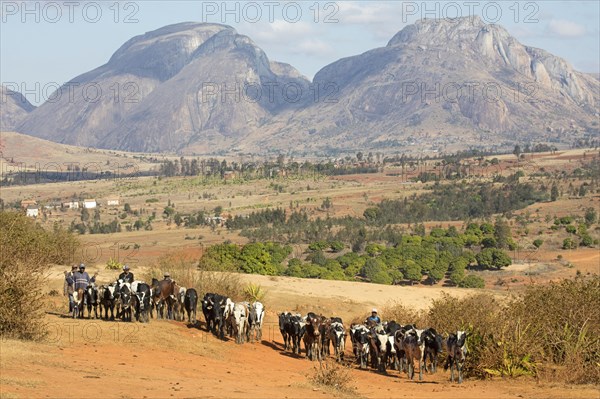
(71, 205)
(112, 201)
(89, 203)
(216, 220)
(32, 211)
(26, 203)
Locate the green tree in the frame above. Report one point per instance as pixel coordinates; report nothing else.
(569, 243)
(493, 258)
(178, 219)
(85, 215)
(472, 281)
(127, 207)
(554, 193)
(412, 271)
(538, 243)
(376, 271)
(502, 233)
(586, 241)
(457, 276)
(437, 273)
(318, 258)
(336, 246)
(168, 211)
(591, 216)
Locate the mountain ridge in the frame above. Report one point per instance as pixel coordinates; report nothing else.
(425, 87)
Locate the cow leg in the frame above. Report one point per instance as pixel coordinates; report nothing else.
(459, 365)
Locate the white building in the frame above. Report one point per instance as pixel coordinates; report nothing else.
(71, 205)
(32, 211)
(89, 203)
(112, 201)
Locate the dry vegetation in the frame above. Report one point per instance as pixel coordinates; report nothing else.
(550, 332)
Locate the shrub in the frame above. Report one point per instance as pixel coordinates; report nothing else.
(113, 264)
(254, 292)
(334, 375)
(490, 258)
(27, 252)
(472, 281)
(569, 243)
(186, 273)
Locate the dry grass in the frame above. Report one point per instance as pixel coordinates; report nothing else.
(184, 270)
(333, 375)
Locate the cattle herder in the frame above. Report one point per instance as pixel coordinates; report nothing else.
(374, 318)
(82, 279)
(126, 276)
(68, 286)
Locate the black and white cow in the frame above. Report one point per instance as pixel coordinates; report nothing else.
(433, 347)
(124, 301)
(142, 295)
(414, 349)
(392, 358)
(108, 295)
(457, 352)
(190, 303)
(208, 302)
(360, 343)
(284, 321)
(92, 300)
(337, 336)
(219, 313)
(378, 340)
(295, 328)
(256, 314)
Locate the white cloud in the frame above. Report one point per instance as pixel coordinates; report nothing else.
(315, 47)
(381, 19)
(564, 28)
(279, 32)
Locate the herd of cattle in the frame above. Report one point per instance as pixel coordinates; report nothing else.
(382, 345)
(137, 299)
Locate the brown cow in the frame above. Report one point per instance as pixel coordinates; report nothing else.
(163, 294)
(312, 337)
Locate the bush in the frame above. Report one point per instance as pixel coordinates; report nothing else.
(332, 374)
(472, 281)
(254, 292)
(113, 264)
(490, 258)
(186, 273)
(569, 243)
(560, 343)
(27, 252)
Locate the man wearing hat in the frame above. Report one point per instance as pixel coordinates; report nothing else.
(68, 286)
(374, 318)
(126, 276)
(82, 279)
(167, 276)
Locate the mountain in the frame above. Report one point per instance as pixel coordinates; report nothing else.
(437, 85)
(151, 94)
(14, 108)
(442, 84)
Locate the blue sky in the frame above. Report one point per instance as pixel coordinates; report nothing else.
(52, 42)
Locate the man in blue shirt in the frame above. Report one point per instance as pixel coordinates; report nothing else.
(82, 279)
(374, 318)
